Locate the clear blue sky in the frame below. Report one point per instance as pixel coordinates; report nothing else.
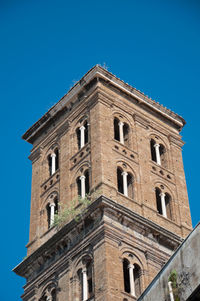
(48, 45)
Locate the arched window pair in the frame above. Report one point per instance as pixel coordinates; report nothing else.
(132, 278)
(82, 135)
(83, 184)
(52, 209)
(121, 132)
(49, 294)
(125, 183)
(53, 161)
(85, 276)
(163, 202)
(158, 153)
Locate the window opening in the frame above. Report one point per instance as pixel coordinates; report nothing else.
(120, 180)
(158, 201)
(153, 151)
(126, 276)
(116, 129)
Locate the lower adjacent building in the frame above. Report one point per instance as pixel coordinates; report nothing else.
(179, 279)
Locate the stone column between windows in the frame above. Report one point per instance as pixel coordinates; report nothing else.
(85, 284)
(125, 185)
(82, 130)
(52, 213)
(82, 178)
(121, 133)
(49, 298)
(157, 146)
(53, 163)
(163, 204)
(131, 277)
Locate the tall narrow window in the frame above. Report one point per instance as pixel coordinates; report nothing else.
(126, 134)
(57, 159)
(121, 132)
(119, 180)
(48, 209)
(163, 154)
(125, 183)
(86, 131)
(52, 209)
(163, 201)
(87, 183)
(53, 162)
(86, 281)
(168, 205)
(82, 134)
(158, 200)
(137, 280)
(116, 129)
(83, 185)
(130, 186)
(126, 276)
(89, 279)
(153, 151)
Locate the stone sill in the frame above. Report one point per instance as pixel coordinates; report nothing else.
(128, 296)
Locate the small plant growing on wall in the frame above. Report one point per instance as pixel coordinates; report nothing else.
(173, 278)
(75, 210)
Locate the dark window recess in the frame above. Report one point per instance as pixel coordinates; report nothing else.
(168, 205)
(158, 200)
(50, 164)
(116, 129)
(87, 183)
(126, 134)
(48, 215)
(78, 134)
(130, 186)
(86, 132)
(78, 183)
(89, 279)
(126, 276)
(137, 280)
(153, 151)
(57, 159)
(119, 180)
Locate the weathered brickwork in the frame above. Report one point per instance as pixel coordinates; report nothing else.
(118, 227)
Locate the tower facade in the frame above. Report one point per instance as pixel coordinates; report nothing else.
(109, 202)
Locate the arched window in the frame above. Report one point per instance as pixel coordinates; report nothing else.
(163, 202)
(158, 153)
(82, 134)
(137, 280)
(132, 278)
(126, 276)
(116, 129)
(49, 294)
(163, 154)
(119, 180)
(83, 184)
(52, 209)
(168, 205)
(53, 162)
(153, 151)
(158, 200)
(85, 276)
(121, 132)
(125, 183)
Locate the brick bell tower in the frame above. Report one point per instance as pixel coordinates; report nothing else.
(107, 140)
